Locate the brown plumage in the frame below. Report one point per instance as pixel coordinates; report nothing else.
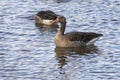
(74, 39)
(49, 15)
(45, 17)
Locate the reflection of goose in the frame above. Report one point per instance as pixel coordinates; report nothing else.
(60, 1)
(47, 30)
(73, 39)
(62, 53)
(45, 17)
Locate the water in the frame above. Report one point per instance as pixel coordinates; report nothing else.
(29, 53)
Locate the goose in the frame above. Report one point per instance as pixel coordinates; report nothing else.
(73, 39)
(45, 17)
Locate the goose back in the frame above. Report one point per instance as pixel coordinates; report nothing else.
(48, 15)
(81, 36)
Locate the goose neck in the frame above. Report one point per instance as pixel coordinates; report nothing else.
(62, 28)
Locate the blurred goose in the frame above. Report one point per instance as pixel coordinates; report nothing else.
(73, 39)
(45, 17)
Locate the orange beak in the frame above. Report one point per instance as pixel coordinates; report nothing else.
(57, 19)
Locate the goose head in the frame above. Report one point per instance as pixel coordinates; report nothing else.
(60, 19)
(46, 17)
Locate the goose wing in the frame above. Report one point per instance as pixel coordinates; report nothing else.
(81, 36)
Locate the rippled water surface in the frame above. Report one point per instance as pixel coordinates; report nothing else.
(29, 53)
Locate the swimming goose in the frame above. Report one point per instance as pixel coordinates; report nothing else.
(45, 17)
(73, 39)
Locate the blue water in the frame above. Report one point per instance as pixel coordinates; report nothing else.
(29, 53)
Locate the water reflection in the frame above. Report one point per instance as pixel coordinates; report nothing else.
(60, 1)
(63, 53)
(50, 28)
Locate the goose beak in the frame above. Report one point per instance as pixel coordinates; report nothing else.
(57, 19)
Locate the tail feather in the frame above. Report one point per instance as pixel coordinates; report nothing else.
(91, 42)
